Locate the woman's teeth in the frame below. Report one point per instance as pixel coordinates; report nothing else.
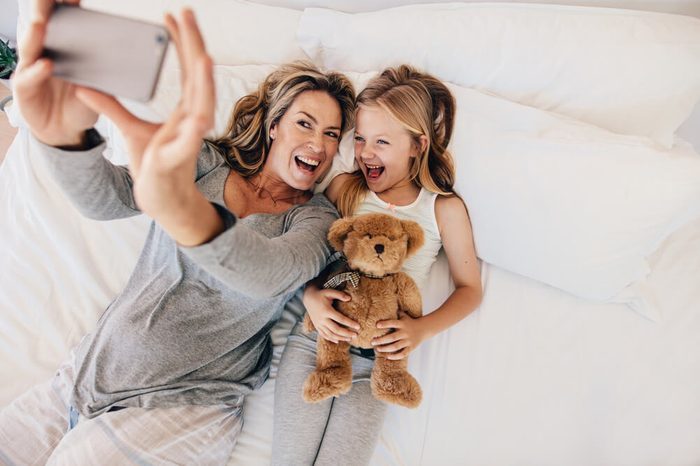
(307, 163)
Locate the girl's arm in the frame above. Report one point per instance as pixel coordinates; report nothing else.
(457, 239)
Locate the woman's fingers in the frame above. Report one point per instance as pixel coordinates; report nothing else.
(136, 131)
(30, 78)
(192, 40)
(110, 107)
(33, 72)
(32, 44)
(204, 100)
(174, 32)
(41, 10)
(198, 93)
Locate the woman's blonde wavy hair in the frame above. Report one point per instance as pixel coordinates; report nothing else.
(246, 143)
(425, 107)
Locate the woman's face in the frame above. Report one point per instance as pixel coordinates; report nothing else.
(305, 139)
(383, 148)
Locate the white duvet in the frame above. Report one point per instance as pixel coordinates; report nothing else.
(534, 376)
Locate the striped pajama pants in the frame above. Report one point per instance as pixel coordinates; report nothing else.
(34, 430)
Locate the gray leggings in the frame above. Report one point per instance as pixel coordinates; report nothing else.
(338, 431)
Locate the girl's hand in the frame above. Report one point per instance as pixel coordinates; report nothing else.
(330, 324)
(407, 335)
(49, 105)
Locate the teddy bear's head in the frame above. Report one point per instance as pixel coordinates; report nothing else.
(376, 244)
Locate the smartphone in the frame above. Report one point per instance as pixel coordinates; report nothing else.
(113, 54)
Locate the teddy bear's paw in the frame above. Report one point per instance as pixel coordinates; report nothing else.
(325, 383)
(401, 389)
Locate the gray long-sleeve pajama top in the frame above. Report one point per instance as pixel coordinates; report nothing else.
(192, 325)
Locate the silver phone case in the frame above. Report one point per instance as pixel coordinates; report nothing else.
(113, 54)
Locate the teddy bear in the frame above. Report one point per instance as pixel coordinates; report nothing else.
(374, 247)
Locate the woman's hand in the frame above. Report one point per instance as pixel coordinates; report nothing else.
(163, 158)
(408, 334)
(138, 133)
(49, 105)
(330, 324)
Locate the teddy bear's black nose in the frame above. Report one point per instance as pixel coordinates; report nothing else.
(379, 248)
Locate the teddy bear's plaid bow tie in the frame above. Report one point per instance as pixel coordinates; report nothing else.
(336, 281)
(349, 275)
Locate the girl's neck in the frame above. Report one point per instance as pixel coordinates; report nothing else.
(401, 194)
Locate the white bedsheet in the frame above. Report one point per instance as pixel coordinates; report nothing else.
(537, 376)
(534, 376)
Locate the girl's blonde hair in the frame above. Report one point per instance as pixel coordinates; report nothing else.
(425, 107)
(246, 143)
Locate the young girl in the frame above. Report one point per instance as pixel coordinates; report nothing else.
(403, 126)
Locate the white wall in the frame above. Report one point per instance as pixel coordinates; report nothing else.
(685, 7)
(8, 18)
(690, 131)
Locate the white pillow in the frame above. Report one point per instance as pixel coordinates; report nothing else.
(567, 203)
(630, 72)
(236, 32)
(232, 83)
(239, 32)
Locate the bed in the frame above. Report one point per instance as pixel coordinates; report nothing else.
(576, 151)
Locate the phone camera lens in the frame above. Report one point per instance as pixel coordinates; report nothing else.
(160, 38)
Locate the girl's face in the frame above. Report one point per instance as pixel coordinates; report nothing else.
(305, 139)
(383, 148)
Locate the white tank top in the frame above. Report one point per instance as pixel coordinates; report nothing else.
(422, 211)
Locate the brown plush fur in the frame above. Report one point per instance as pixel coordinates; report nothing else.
(361, 239)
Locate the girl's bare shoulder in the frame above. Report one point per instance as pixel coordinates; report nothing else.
(333, 190)
(451, 212)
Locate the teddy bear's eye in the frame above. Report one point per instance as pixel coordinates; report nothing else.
(369, 235)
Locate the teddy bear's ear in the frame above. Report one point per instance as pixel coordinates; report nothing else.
(415, 236)
(338, 232)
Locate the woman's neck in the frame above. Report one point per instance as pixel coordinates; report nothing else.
(260, 194)
(265, 186)
(402, 193)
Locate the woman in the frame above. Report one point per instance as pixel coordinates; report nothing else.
(235, 232)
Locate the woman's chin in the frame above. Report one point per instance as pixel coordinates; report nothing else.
(305, 184)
